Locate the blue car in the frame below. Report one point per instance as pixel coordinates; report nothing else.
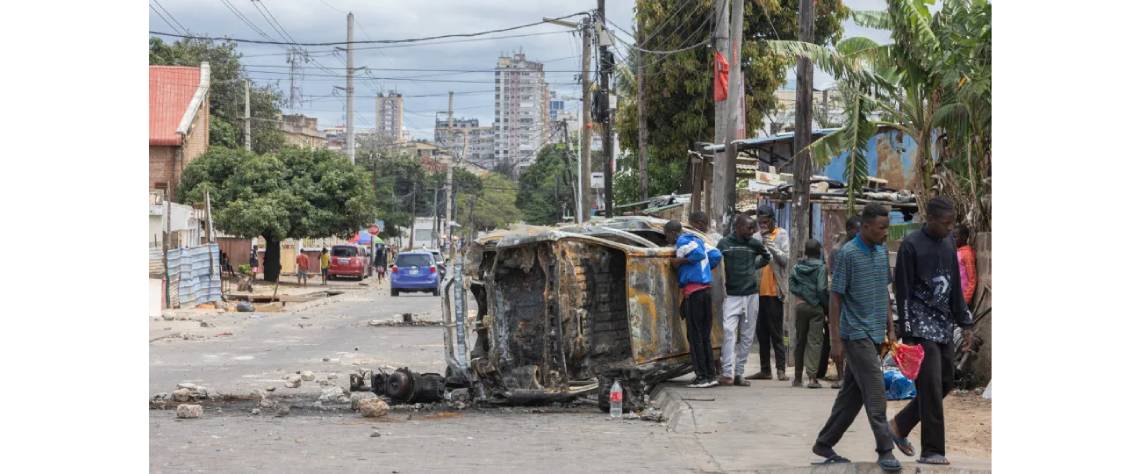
(415, 271)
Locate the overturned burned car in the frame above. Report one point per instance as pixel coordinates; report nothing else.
(562, 312)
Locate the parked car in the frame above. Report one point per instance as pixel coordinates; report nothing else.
(348, 261)
(440, 263)
(415, 271)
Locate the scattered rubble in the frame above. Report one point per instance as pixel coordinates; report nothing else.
(334, 394)
(292, 381)
(372, 408)
(357, 397)
(270, 389)
(255, 411)
(266, 403)
(375, 434)
(324, 359)
(333, 376)
(188, 411)
(181, 395)
(307, 375)
(282, 410)
(205, 324)
(244, 307)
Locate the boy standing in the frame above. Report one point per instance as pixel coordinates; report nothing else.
(694, 272)
(302, 267)
(744, 256)
(808, 282)
(325, 266)
(773, 288)
(859, 294)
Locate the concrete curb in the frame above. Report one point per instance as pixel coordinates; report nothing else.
(672, 407)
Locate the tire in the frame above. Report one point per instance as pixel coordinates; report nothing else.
(435, 292)
(395, 292)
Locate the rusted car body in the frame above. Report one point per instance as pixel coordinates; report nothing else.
(561, 312)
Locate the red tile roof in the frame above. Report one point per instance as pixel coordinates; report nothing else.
(171, 92)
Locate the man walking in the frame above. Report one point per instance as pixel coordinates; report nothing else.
(859, 295)
(302, 268)
(694, 271)
(773, 288)
(381, 262)
(930, 303)
(743, 256)
(808, 283)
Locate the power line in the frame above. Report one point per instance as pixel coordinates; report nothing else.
(345, 43)
(172, 18)
(163, 18)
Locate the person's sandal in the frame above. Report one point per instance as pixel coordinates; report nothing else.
(781, 376)
(760, 376)
(901, 442)
(740, 382)
(814, 384)
(887, 462)
(836, 385)
(936, 459)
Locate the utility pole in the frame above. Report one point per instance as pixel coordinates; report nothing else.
(715, 194)
(248, 139)
(734, 124)
(350, 135)
(642, 128)
(450, 139)
(585, 205)
(412, 236)
(605, 60)
(802, 169)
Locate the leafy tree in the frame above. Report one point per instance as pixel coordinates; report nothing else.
(494, 205)
(546, 188)
(932, 83)
(294, 193)
(395, 176)
(679, 96)
(227, 92)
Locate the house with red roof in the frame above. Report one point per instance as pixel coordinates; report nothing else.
(179, 122)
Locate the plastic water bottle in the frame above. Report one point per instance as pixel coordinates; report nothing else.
(615, 400)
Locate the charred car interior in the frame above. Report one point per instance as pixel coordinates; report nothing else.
(561, 312)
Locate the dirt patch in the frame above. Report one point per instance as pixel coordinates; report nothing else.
(969, 424)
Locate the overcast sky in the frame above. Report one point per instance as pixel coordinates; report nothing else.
(325, 20)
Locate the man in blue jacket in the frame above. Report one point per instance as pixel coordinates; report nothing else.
(694, 263)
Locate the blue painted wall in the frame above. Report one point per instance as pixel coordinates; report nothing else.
(887, 158)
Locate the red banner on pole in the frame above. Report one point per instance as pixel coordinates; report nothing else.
(720, 80)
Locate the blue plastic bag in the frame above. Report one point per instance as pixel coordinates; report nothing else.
(898, 387)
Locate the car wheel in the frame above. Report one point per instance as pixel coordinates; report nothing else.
(395, 292)
(435, 292)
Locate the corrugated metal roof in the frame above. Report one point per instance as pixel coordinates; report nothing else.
(746, 143)
(172, 91)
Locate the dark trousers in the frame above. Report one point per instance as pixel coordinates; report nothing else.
(862, 389)
(825, 356)
(935, 381)
(809, 340)
(770, 333)
(697, 310)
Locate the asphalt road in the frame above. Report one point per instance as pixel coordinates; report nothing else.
(264, 347)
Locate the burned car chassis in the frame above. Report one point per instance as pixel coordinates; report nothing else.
(563, 312)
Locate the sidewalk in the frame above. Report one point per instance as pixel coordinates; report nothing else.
(771, 426)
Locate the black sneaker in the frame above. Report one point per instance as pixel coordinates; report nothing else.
(696, 383)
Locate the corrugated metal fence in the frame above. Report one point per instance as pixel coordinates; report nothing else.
(193, 279)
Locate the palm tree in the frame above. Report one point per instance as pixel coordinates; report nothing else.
(930, 82)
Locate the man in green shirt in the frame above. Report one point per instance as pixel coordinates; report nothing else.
(859, 295)
(743, 256)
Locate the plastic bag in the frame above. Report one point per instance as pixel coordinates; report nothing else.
(898, 387)
(908, 358)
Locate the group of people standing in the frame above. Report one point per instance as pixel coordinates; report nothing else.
(847, 319)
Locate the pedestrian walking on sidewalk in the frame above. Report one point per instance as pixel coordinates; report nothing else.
(694, 272)
(808, 283)
(773, 288)
(859, 295)
(743, 256)
(381, 262)
(928, 290)
(302, 268)
(325, 266)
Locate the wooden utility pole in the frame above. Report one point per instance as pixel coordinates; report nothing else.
(642, 130)
(248, 137)
(802, 168)
(450, 177)
(349, 131)
(584, 170)
(715, 194)
(734, 126)
(605, 60)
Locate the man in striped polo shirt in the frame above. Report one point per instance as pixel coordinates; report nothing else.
(859, 291)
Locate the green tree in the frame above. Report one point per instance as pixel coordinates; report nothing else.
(546, 187)
(227, 92)
(679, 96)
(294, 193)
(932, 83)
(494, 204)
